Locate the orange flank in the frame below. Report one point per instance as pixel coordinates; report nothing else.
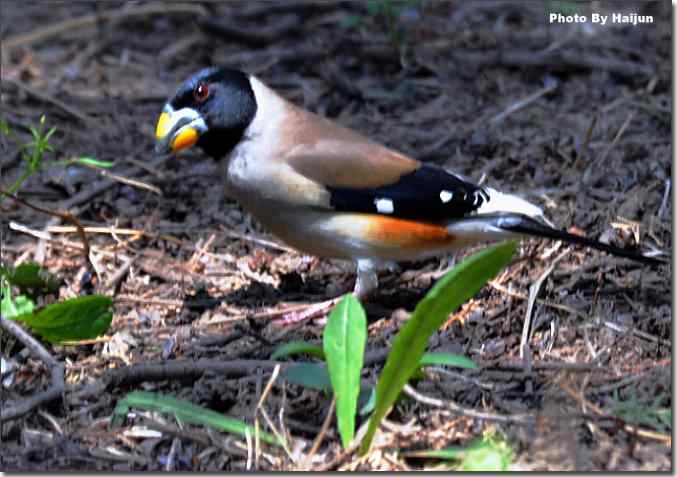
(407, 233)
(380, 236)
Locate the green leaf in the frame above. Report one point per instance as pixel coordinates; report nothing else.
(485, 458)
(92, 162)
(368, 396)
(344, 338)
(452, 290)
(308, 375)
(79, 318)
(297, 347)
(20, 305)
(186, 411)
(13, 307)
(48, 135)
(447, 359)
(31, 279)
(487, 454)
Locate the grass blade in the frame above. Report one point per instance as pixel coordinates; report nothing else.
(453, 289)
(447, 359)
(344, 338)
(188, 412)
(90, 161)
(298, 347)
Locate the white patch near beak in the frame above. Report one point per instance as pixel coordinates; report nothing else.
(187, 116)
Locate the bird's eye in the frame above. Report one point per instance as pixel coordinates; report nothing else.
(201, 92)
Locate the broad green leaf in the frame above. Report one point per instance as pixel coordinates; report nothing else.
(344, 338)
(31, 279)
(92, 162)
(452, 290)
(309, 375)
(297, 347)
(186, 411)
(76, 319)
(447, 359)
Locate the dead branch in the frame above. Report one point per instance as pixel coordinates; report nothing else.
(175, 370)
(56, 387)
(523, 419)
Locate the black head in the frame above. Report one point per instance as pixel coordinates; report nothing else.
(212, 109)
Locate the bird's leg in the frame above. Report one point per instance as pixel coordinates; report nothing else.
(367, 279)
(365, 284)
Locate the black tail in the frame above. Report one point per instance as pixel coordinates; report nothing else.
(522, 224)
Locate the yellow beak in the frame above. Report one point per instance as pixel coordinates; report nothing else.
(163, 124)
(178, 130)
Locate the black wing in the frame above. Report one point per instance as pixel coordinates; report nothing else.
(429, 193)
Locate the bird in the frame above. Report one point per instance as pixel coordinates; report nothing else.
(330, 191)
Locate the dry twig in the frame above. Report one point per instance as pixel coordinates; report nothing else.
(305, 465)
(56, 387)
(533, 294)
(522, 419)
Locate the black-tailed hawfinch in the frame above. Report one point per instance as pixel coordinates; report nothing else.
(331, 192)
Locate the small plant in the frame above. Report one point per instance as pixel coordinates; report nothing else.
(32, 153)
(449, 293)
(70, 320)
(345, 336)
(491, 453)
(76, 319)
(655, 415)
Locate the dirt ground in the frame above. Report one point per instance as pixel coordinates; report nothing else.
(575, 117)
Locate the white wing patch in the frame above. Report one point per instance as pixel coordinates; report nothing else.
(446, 196)
(500, 202)
(384, 206)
